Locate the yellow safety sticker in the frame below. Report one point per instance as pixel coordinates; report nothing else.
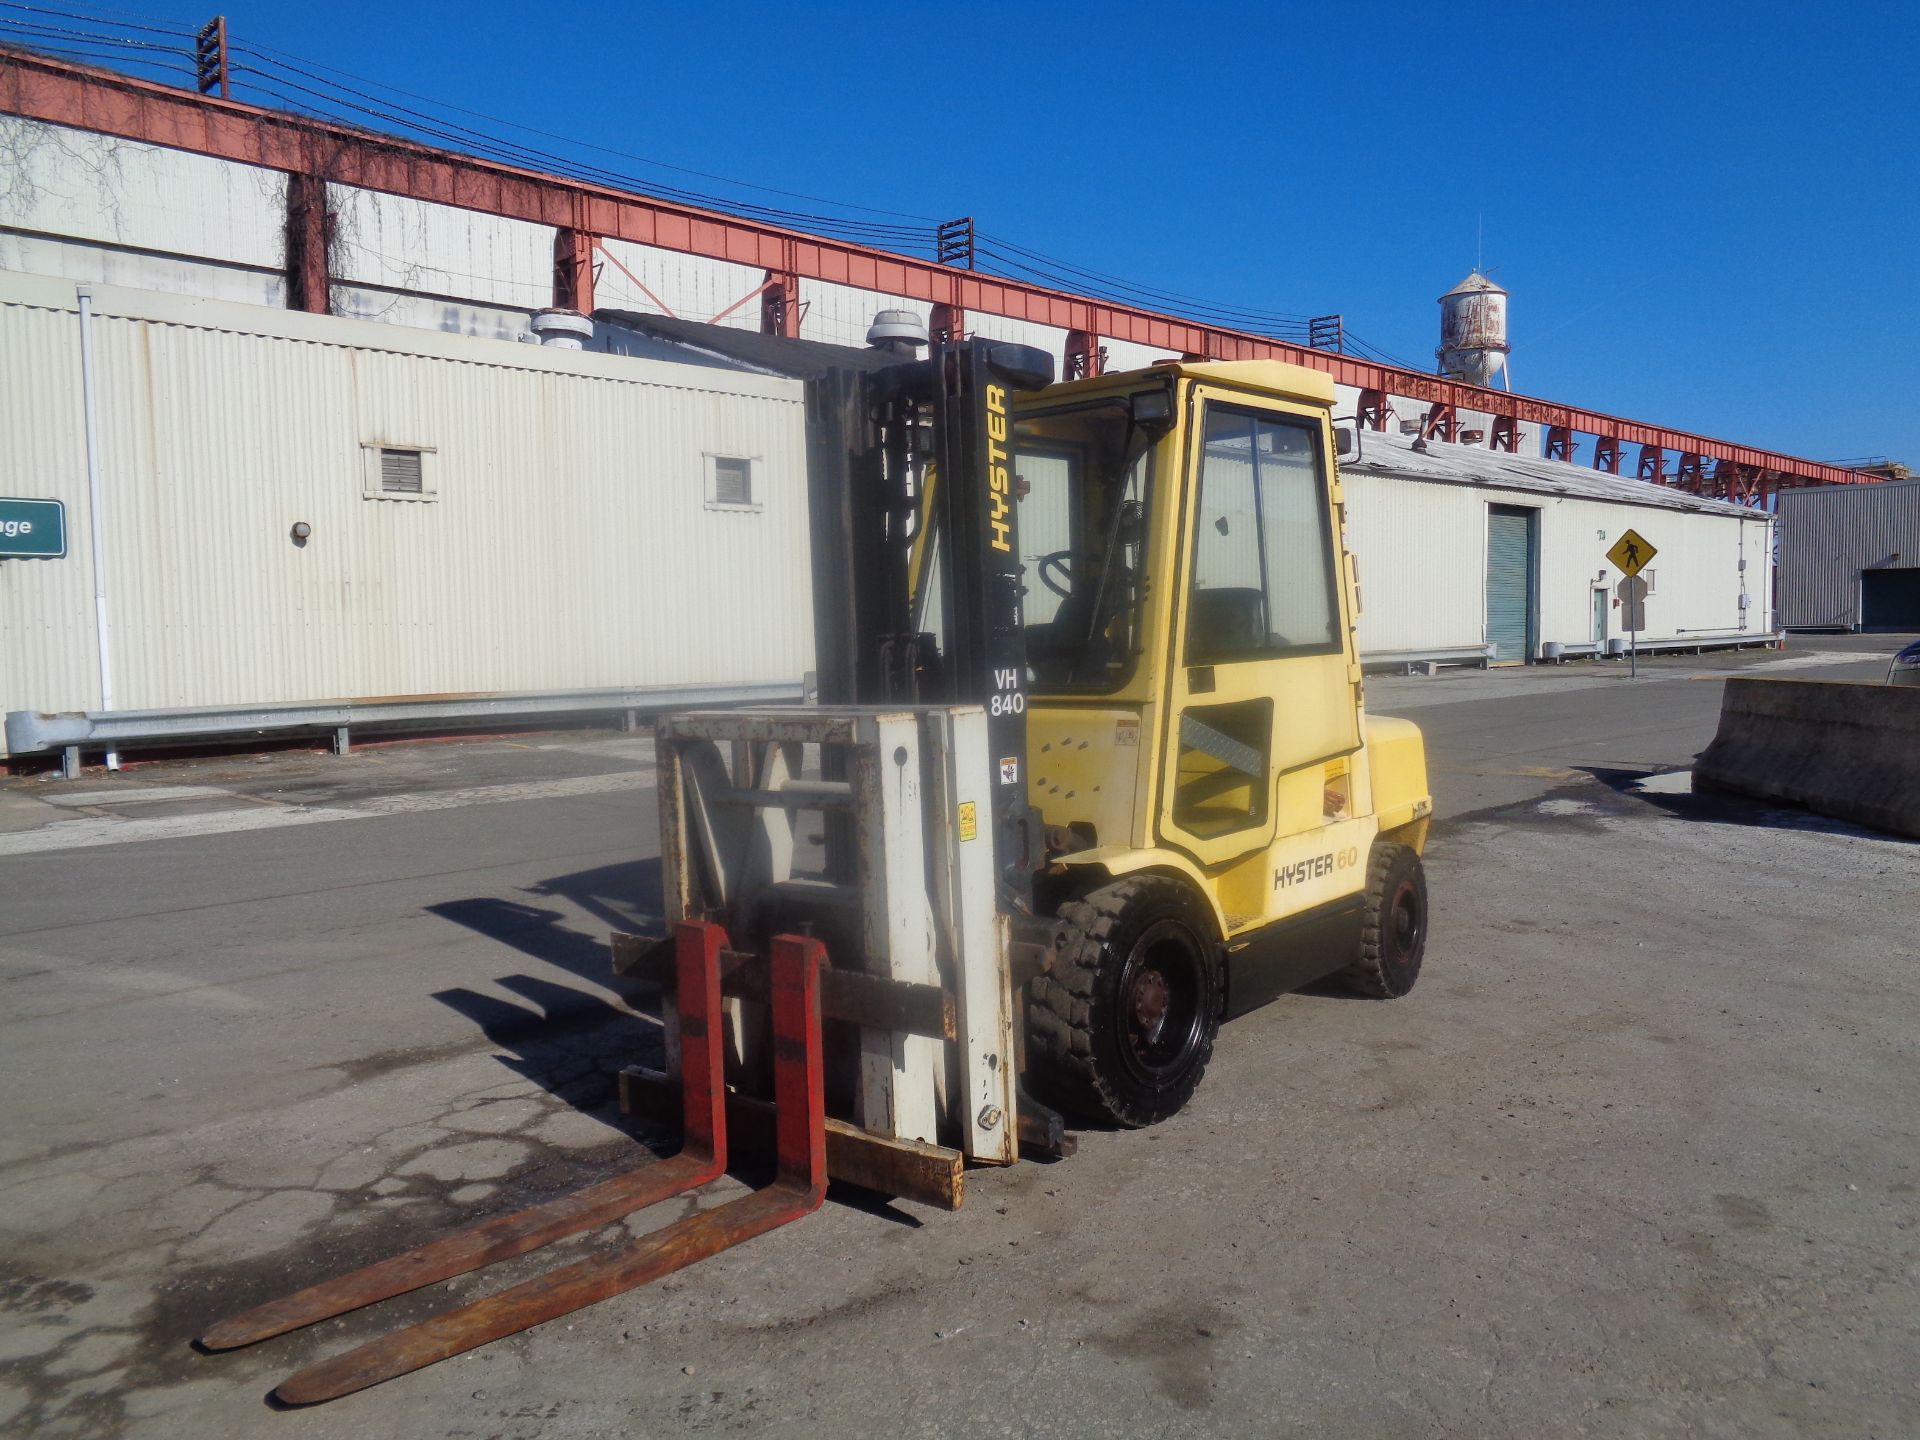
(969, 826)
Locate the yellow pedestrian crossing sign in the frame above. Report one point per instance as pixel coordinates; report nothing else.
(1631, 552)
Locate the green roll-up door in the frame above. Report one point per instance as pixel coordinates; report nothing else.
(1510, 583)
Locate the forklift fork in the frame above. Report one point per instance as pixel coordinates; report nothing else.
(798, 1190)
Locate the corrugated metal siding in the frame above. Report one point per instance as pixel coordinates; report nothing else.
(47, 656)
(572, 544)
(1829, 534)
(95, 187)
(392, 242)
(424, 312)
(92, 263)
(1421, 551)
(1421, 547)
(691, 286)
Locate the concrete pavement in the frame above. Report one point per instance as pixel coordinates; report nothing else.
(1634, 1159)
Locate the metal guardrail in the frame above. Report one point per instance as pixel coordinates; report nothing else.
(32, 732)
(1719, 640)
(1404, 660)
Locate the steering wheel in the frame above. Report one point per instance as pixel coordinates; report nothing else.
(1063, 587)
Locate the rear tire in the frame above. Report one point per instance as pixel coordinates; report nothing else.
(1121, 1028)
(1393, 939)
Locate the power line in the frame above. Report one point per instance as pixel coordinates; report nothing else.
(276, 77)
(320, 90)
(268, 51)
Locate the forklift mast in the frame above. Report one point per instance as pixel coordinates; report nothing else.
(916, 557)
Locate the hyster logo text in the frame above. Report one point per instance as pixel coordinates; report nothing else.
(1001, 485)
(1302, 871)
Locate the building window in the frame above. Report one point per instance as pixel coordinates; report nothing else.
(399, 472)
(730, 483)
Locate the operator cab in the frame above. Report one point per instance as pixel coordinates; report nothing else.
(1179, 537)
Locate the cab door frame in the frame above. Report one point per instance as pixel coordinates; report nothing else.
(1310, 690)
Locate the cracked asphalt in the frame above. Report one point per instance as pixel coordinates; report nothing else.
(1636, 1158)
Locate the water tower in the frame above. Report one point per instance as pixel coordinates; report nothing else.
(1473, 331)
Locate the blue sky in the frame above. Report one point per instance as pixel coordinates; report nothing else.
(1708, 214)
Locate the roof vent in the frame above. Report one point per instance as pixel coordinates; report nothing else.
(900, 331)
(562, 329)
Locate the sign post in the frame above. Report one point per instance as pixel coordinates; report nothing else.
(1633, 602)
(1630, 554)
(32, 529)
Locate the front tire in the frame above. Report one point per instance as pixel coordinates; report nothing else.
(1122, 1027)
(1393, 939)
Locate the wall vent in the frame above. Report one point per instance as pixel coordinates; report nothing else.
(400, 472)
(730, 482)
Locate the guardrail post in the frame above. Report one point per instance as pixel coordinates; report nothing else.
(70, 763)
(342, 740)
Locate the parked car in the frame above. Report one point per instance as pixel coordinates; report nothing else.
(1905, 669)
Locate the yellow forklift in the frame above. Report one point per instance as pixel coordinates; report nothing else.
(1225, 822)
(1089, 772)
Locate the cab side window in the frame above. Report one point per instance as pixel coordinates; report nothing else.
(1263, 571)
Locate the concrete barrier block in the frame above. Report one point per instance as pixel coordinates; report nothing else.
(1844, 748)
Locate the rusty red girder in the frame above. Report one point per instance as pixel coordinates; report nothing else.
(1376, 408)
(780, 305)
(310, 229)
(946, 323)
(1442, 422)
(573, 270)
(60, 92)
(1083, 357)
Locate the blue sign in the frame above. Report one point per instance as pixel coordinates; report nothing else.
(36, 529)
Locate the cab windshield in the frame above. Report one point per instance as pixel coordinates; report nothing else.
(1083, 474)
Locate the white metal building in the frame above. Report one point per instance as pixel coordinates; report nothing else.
(1461, 548)
(297, 507)
(481, 515)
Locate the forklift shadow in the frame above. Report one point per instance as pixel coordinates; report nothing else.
(571, 1040)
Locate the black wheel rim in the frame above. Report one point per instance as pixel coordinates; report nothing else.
(1406, 927)
(1162, 1004)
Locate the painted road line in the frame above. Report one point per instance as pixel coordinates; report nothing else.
(82, 834)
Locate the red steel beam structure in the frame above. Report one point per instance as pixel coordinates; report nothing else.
(86, 98)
